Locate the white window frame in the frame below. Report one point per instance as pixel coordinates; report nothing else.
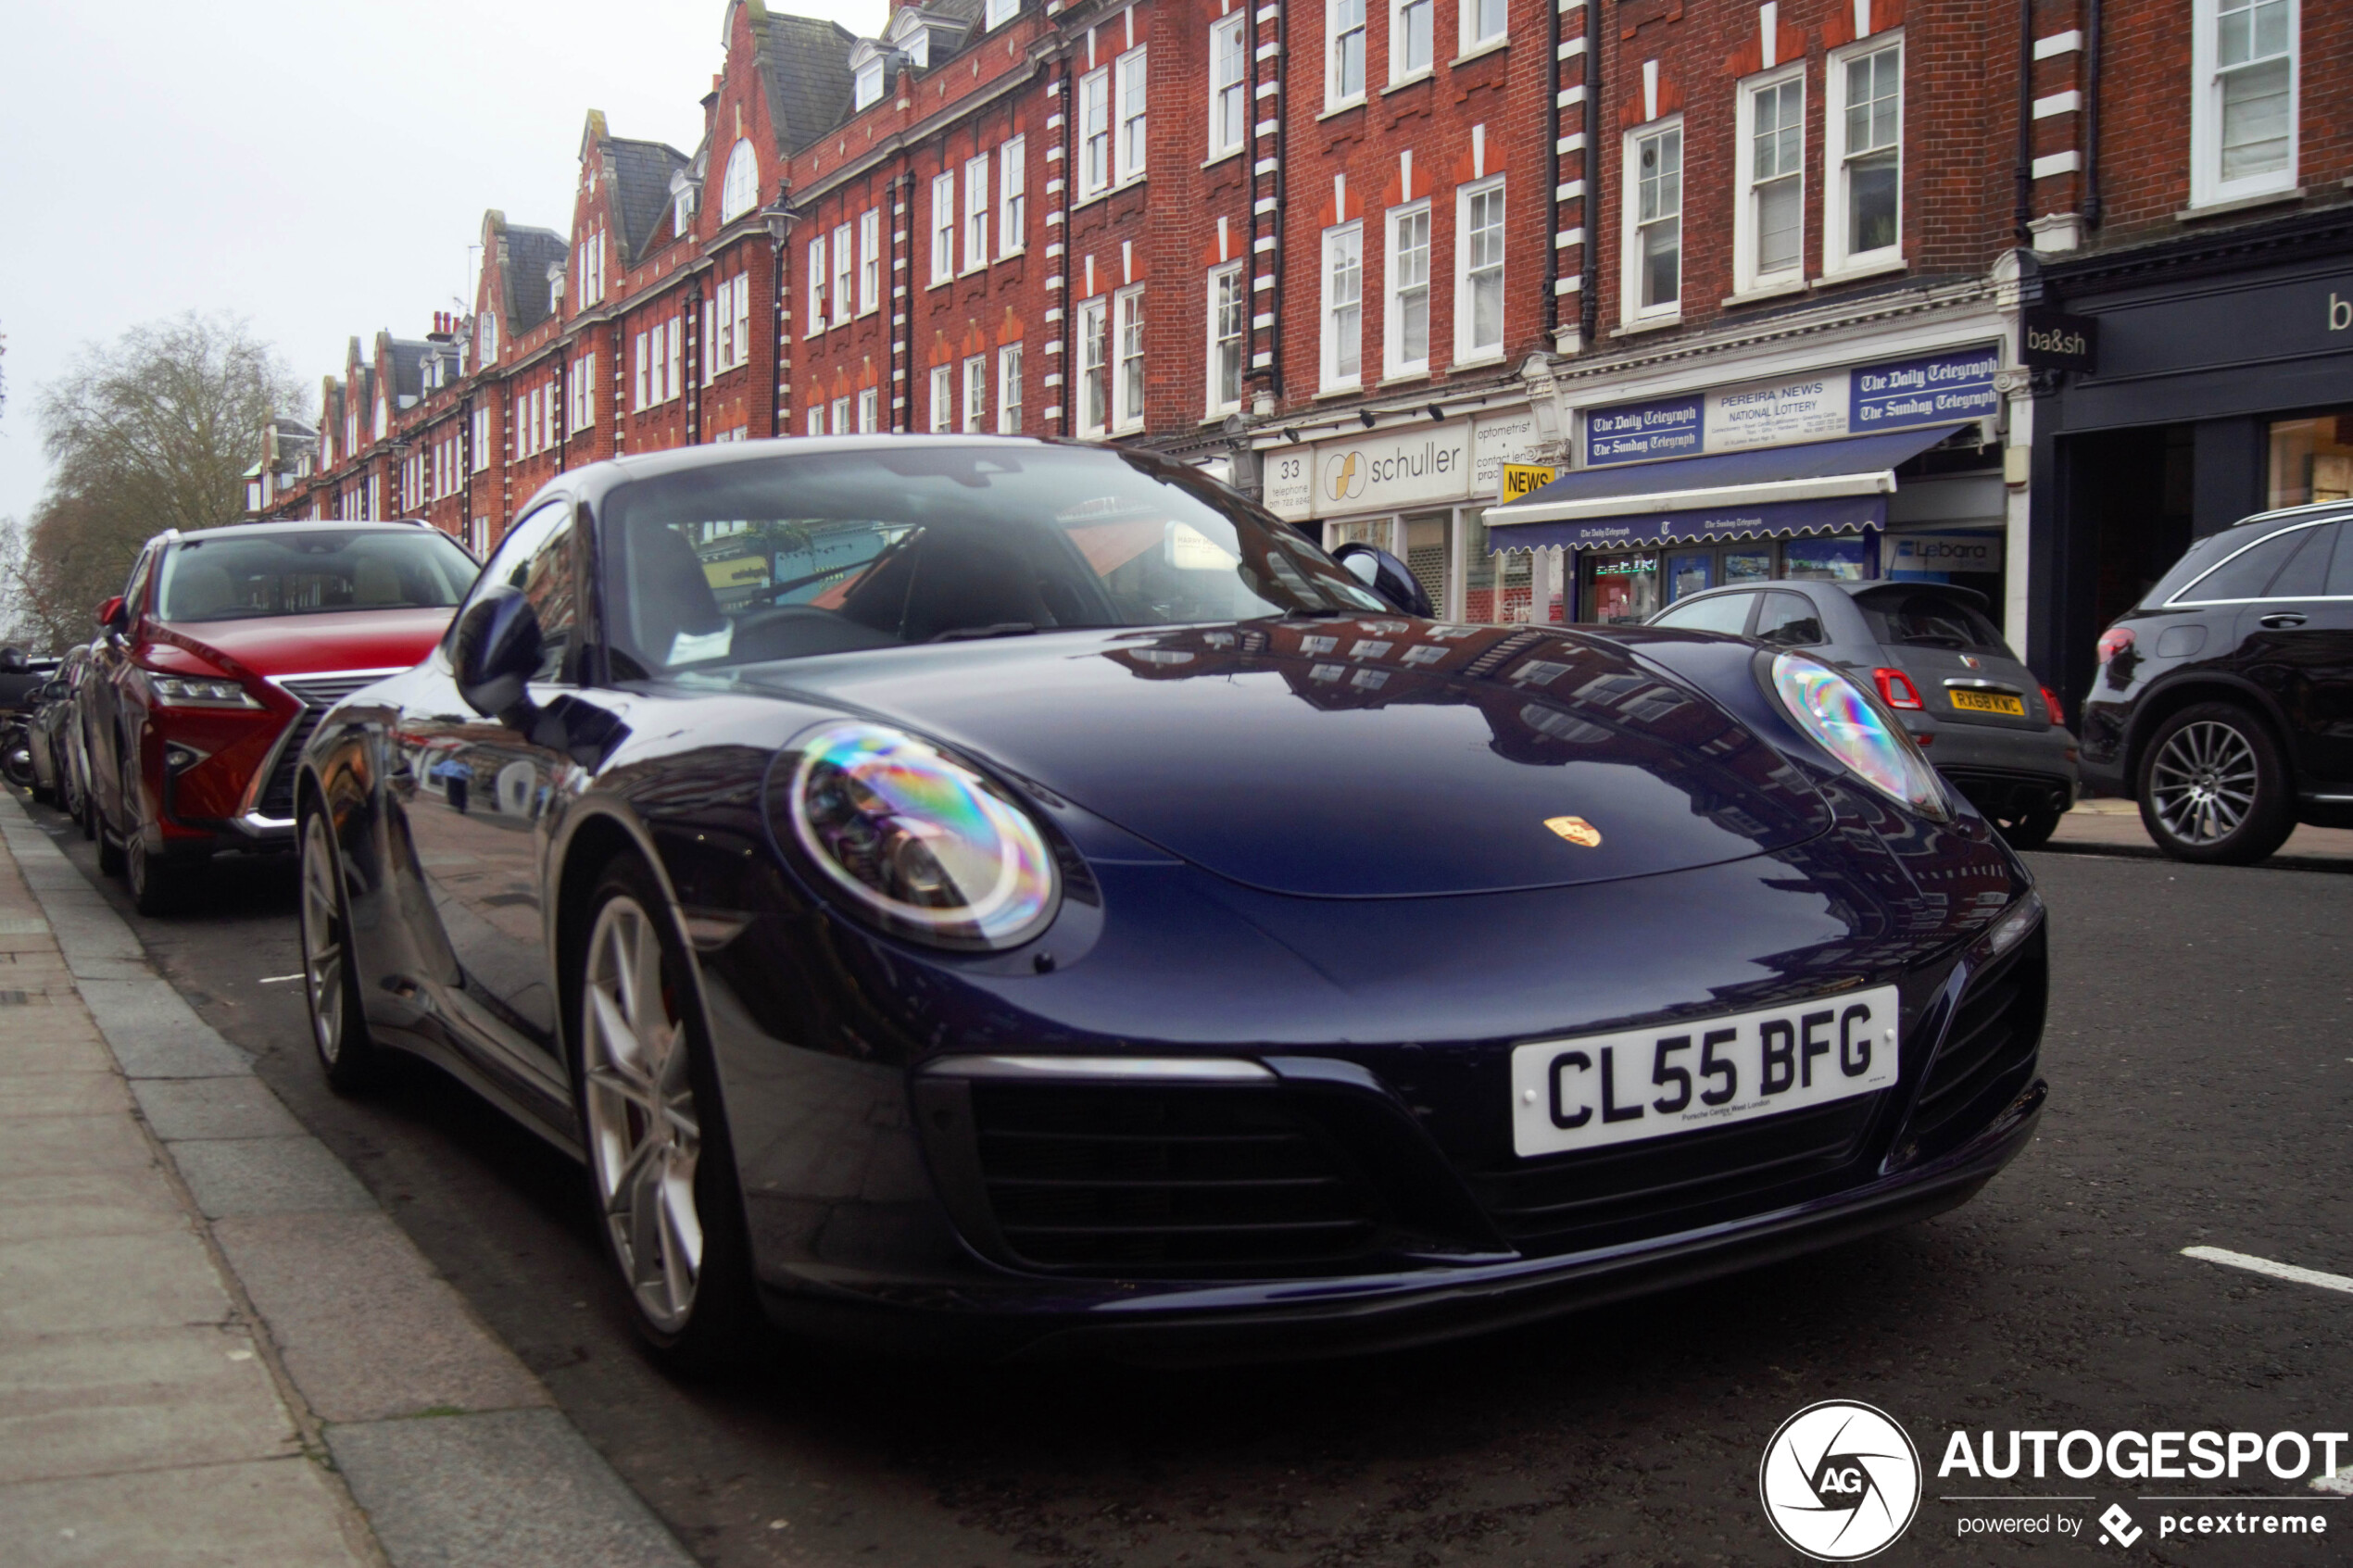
(1748, 276)
(674, 383)
(1338, 27)
(975, 212)
(841, 416)
(1094, 133)
(1228, 97)
(943, 399)
(1131, 89)
(1008, 389)
(866, 89)
(1230, 278)
(481, 440)
(1468, 350)
(815, 422)
(1836, 257)
(486, 339)
(868, 411)
(641, 378)
(999, 12)
(1393, 361)
(870, 261)
(1128, 350)
(845, 277)
(817, 278)
(1402, 17)
(2207, 186)
(1469, 37)
(1094, 367)
(1012, 197)
(1332, 378)
(975, 415)
(739, 192)
(943, 227)
(1630, 259)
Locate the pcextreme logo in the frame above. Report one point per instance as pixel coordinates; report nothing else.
(1841, 1481)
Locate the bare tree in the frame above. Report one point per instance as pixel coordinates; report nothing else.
(154, 431)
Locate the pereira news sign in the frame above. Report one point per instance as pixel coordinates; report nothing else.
(1864, 400)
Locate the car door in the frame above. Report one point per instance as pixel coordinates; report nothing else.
(111, 668)
(2295, 642)
(474, 793)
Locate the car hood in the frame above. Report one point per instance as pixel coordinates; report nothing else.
(316, 644)
(1352, 758)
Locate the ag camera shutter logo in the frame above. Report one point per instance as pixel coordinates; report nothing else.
(1841, 1481)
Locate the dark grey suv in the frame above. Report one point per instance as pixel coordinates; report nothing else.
(1991, 728)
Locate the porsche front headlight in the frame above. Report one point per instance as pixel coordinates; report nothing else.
(1844, 720)
(921, 842)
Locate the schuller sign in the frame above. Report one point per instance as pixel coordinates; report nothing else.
(1863, 400)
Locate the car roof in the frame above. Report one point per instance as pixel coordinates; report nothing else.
(314, 524)
(2314, 511)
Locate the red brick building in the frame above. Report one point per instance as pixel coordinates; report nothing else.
(1364, 257)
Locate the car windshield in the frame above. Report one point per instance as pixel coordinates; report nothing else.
(1920, 618)
(242, 576)
(900, 541)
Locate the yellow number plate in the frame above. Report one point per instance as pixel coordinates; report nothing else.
(1987, 702)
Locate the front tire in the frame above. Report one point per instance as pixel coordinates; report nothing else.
(158, 885)
(2214, 788)
(661, 1168)
(347, 1054)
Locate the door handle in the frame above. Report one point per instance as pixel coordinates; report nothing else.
(2282, 620)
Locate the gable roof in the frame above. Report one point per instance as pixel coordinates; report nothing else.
(642, 173)
(523, 263)
(804, 67)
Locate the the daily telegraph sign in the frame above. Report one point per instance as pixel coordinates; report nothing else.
(1896, 394)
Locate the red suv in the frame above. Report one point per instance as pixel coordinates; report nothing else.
(223, 651)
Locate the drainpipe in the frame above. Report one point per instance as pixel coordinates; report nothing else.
(1552, 174)
(2092, 114)
(1589, 283)
(2022, 211)
(1282, 202)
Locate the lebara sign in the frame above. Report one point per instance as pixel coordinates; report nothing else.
(1934, 389)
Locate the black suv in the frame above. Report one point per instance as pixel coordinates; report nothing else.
(2224, 700)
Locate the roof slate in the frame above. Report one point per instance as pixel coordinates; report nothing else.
(641, 183)
(804, 65)
(530, 252)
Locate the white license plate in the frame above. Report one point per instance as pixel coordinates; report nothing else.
(1602, 1089)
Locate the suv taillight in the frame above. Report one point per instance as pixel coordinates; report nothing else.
(2051, 706)
(1896, 688)
(2113, 641)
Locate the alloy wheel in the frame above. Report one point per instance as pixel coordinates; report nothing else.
(321, 939)
(645, 1137)
(2203, 782)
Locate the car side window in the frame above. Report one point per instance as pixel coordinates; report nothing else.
(137, 586)
(536, 557)
(1724, 612)
(1789, 621)
(2247, 574)
(2306, 575)
(2341, 570)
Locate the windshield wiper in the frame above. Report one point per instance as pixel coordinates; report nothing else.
(975, 633)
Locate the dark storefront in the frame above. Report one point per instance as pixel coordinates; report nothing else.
(2222, 387)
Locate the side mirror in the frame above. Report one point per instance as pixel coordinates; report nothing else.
(115, 616)
(1387, 576)
(496, 652)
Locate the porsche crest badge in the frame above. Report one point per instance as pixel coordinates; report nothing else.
(1576, 830)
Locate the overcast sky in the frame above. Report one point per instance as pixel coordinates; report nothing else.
(319, 167)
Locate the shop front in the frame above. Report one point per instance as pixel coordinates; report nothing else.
(1882, 469)
(2214, 389)
(1422, 490)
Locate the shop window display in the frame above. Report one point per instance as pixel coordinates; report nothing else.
(2312, 459)
(1823, 561)
(1625, 589)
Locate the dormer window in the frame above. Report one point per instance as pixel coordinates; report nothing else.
(911, 37)
(682, 189)
(740, 193)
(870, 84)
(1001, 12)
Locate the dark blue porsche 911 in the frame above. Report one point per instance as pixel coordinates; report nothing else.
(987, 896)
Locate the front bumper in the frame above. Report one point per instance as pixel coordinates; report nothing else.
(1311, 1319)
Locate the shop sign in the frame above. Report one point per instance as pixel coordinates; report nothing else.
(1942, 552)
(1525, 479)
(2053, 340)
(1411, 466)
(1498, 439)
(1894, 395)
(1625, 566)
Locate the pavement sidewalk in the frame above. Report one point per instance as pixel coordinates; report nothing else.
(215, 1347)
(2113, 827)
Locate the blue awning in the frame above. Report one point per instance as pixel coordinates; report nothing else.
(1820, 487)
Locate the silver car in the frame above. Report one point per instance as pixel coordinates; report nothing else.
(1998, 734)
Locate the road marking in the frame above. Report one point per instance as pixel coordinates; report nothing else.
(2265, 1266)
(276, 979)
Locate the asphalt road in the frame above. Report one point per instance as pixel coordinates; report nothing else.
(2201, 1071)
